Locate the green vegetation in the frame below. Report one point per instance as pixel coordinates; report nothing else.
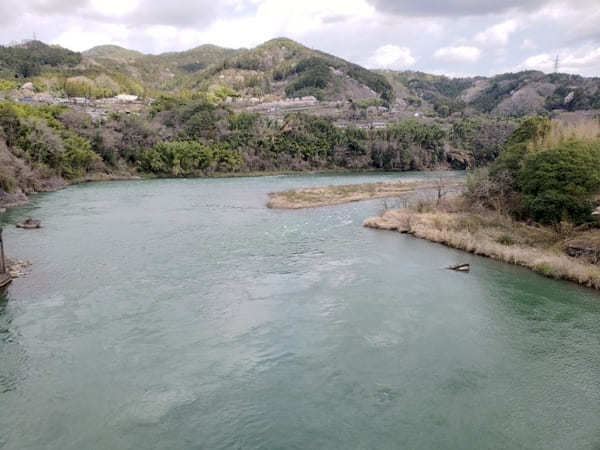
(547, 172)
(7, 85)
(29, 59)
(196, 134)
(189, 158)
(38, 136)
(314, 77)
(558, 183)
(373, 80)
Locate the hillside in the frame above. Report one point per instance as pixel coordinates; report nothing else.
(506, 95)
(282, 68)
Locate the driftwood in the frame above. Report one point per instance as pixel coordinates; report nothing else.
(461, 267)
(30, 224)
(5, 279)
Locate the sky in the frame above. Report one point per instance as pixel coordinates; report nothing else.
(450, 37)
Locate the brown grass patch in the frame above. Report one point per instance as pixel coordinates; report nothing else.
(346, 193)
(487, 233)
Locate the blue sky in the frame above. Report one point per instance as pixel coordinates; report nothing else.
(453, 37)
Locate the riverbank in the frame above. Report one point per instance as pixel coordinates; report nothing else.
(544, 250)
(315, 197)
(9, 200)
(18, 198)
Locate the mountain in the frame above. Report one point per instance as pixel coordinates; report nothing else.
(282, 68)
(507, 95)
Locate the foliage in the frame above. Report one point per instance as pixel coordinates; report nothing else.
(374, 80)
(482, 138)
(364, 103)
(493, 95)
(186, 158)
(314, 77)
(7, 85)
(557, 183)
(29, 59)
(543, 174)
(530, 132)
(45, 142)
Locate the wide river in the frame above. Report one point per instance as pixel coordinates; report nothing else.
(184, 314)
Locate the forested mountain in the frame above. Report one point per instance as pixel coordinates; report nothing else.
(282, 68)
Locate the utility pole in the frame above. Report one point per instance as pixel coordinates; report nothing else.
(2, 260)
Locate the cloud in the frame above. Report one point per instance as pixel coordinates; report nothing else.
(477, 37)
(497, 35)
(459, 54)
(584, 61)
(528, 44)
(453, 8)
(391, 57)
(57, 6)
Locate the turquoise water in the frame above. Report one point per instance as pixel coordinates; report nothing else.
(183, 314)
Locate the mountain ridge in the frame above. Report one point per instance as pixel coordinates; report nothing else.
(283, 68)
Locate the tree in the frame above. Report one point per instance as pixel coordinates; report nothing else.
(558, 183)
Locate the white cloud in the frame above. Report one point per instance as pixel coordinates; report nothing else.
(114, 8)
(391, 57)
(528, 44)
(459, 54)
(582, 61)
(497, 35)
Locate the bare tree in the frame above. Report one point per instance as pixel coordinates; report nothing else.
(442, 187)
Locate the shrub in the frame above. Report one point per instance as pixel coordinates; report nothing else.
(186, 158)
(505, 239)
(558, 183)
(7, 183)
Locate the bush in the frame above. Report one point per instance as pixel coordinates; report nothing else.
(313, 79)
(7, 183)
(505, 239)
(558, 183)
(187, 158)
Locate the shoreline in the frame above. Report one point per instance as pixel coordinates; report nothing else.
(487, 234)
(22, 198)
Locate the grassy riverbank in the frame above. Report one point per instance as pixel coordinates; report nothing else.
(337, 194)
(542, 249)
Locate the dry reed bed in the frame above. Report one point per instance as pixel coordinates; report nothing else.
(494, 236)
(334, 195)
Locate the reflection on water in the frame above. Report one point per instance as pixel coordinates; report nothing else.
(185, 314)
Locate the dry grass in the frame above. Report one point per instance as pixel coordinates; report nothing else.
(585, 130)
(485, 233)
(335, 195)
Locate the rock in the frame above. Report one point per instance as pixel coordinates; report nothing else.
(30, 224)
(569, 98)
(16, 268)
(27, 86)
(580, 250)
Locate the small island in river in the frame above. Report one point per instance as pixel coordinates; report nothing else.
(313, 197)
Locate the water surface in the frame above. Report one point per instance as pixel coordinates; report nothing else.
(183, 314)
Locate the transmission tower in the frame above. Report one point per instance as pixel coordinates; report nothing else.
(556, 63)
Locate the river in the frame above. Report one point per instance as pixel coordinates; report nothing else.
(184, 314)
